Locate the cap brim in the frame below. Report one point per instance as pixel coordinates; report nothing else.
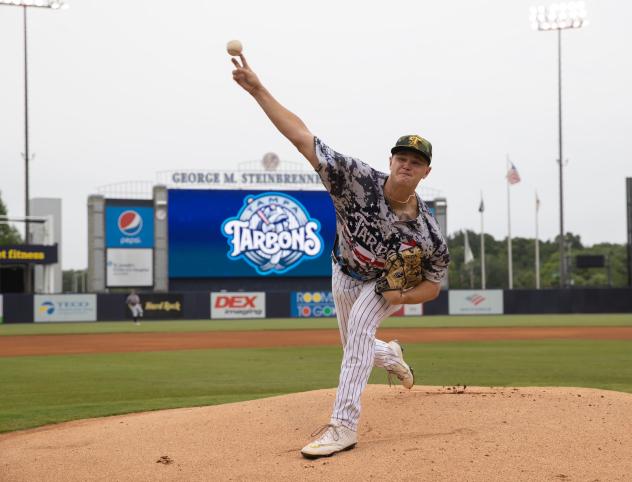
(411, 149)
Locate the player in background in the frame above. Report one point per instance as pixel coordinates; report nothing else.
(135, 306)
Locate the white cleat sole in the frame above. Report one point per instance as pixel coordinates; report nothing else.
(312, 456)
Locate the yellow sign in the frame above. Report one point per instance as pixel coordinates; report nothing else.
(163, 306)
(18, 254)
(37, 254)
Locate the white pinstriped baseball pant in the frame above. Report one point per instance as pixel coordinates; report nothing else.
(360, 311)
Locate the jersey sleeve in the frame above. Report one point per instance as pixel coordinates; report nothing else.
(339, 174)
(436, 265)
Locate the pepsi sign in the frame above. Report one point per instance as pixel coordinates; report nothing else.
(129, 227)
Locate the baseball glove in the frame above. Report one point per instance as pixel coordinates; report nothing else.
(403, 271)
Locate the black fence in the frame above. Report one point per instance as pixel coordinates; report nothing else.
(18, 308)
(195, 305)
(612, 300)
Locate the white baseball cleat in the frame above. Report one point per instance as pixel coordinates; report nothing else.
(401, 370)
(334, 439)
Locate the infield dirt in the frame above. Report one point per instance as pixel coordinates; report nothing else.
(22, 345)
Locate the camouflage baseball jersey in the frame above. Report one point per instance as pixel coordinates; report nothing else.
(367, 228)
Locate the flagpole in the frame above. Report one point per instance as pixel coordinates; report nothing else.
(482, 210)
(471, 277)
(537, 244)
(509, 256)
(468, 258)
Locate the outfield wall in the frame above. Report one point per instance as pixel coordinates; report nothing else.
(197, 305)
(612, 300)
(18, 308)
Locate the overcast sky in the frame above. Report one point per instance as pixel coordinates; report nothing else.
(120, 90)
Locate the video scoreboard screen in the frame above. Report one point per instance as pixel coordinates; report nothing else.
(238, 233)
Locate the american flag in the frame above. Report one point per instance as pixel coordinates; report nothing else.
(512, 175)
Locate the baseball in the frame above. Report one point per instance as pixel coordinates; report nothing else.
(234, 47)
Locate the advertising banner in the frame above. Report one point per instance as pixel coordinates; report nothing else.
(319, 304)
(129, 226)
(410, 310)
(59, 308)
(233, 305)
(28, 253)
(129, 267)
(476, 302)
(237, 233)
(158, 306)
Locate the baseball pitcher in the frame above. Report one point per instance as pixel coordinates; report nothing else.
(388, 251)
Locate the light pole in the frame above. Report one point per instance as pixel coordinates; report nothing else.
(559, 16)
(25, 4)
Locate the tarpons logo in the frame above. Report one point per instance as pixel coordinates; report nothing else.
(475, 299)
(273, 233)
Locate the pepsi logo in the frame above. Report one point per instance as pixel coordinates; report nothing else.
(130, 223)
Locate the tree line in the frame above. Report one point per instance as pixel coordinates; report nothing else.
(8, 234)
(466, 276)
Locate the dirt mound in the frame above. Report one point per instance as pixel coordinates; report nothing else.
(428, 433)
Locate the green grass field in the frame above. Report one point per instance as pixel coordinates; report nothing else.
(39, 390)
(313, 323)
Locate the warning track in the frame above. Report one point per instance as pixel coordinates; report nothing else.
(26, 345)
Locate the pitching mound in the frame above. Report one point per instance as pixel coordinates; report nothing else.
(429, 433)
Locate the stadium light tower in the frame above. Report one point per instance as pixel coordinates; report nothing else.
(560, 16)
(26, 4)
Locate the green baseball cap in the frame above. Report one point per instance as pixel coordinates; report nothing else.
(414, 143)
